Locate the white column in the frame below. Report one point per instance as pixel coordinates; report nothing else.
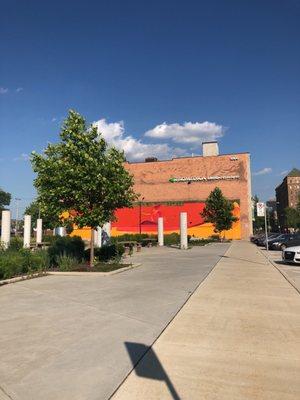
(183, 230)
(160, 231)
(39, 230)
(98, 237)
(5, 228)
(27, 231)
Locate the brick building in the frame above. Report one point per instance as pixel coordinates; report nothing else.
(287, 194)
(168, 187)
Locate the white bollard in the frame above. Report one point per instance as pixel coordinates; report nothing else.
(160, 231)
(5, 228)
(39, 231)
(183, 230)
(98, 237)
(27, 231)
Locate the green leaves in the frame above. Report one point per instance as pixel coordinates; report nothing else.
(5, 198)
(218, 211)
(81, 174)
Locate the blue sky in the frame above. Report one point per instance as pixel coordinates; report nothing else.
(179, 71)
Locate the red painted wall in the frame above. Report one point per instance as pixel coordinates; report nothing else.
(128, 219)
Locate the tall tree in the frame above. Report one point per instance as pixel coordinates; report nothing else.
(218, 211)
(5, 198)
(292, 217)
(83, 175)
(34, 209)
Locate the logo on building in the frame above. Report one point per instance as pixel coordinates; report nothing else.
(204, 178)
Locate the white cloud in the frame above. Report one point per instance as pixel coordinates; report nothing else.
(192, 133)
(22, 157)
(19, 89)
(135, 149)
(263, 171)
(54, 119)
(3, 90)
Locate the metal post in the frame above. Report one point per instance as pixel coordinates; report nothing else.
(17, 216)
(5, 228)
(160, 231)
(266, 232)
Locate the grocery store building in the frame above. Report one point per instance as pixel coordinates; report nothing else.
(169, 187)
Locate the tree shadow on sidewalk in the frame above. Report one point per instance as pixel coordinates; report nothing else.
(149, 366)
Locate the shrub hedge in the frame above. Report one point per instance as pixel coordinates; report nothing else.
(66, 246)
(109, 252)
(20, 262)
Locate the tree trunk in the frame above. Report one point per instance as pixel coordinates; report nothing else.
(92, 248)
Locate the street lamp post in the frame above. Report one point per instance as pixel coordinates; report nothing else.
(17, 215)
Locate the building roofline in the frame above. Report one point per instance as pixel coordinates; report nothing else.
(184, 157)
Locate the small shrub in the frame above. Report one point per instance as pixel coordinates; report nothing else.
(66, 263)
(40, 260)
(199, 242)
(69, 246)
(21, 262)
(215, 238)
(50, 238)
(132, 237)
(16, 243)
(11, 264)
(172, 238)
(112, 252)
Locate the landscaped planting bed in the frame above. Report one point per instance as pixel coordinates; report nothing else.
(65, 254)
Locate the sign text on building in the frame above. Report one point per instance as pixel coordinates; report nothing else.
(204, 178)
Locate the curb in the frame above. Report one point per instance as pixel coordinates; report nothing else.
(66, 273)
(22, 278)
(286, 277)
(83, 273)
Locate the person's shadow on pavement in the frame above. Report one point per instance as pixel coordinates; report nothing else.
(149, 366)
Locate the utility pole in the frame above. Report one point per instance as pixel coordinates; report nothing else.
(17, 215)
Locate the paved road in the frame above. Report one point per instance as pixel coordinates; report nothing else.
(63, 338)
(292, 271)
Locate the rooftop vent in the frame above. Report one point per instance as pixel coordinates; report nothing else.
(210, 149)
(150, 159)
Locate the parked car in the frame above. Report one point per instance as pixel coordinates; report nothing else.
(291, 255)
(285, 240)
(262, 239)
(255, 237)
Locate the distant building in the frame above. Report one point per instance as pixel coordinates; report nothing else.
(168, 187)
(287, 194)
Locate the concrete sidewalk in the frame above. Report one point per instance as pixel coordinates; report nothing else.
(63, 337)
(238, 337)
